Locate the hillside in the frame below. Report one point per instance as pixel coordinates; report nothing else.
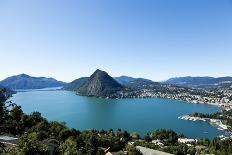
(132, 82)
(124, 80)
(76, 84)
(100, 84)
(202, 82)
(24, 81)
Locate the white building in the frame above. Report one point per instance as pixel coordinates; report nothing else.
(186, 140)
(158, 142)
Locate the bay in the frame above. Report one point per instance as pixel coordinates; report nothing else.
(133, 115)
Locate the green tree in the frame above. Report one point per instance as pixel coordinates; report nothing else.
(168, 137)
(16, 113)
(69, 147)
(131, 149)
(3, 116)
(147, 138)
(36, 117)
(29, 145)
(65, 134)
(192, 150)
(56, 128)
(2, 147)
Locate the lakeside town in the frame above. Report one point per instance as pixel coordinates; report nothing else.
(220, 97)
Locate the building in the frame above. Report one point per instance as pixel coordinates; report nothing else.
(186, 140)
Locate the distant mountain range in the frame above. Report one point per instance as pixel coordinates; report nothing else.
(76, 84)
(135, 83)
(101, 81)
(201, 82)
(24, 81)
(123, 80)
(101, 84)
(132, 82)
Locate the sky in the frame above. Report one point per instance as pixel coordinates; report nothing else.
(155, 39)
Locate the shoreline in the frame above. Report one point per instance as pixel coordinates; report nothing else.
(220, 105)
(183, 99)
(214, 122)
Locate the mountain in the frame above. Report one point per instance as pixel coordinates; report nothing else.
(202, 82)
(24, 81)
(141, 83)
(130, 81)
(100, 84)
(134, 83)
(76, 84)
(123, 80)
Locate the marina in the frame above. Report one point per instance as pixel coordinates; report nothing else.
(215, 122)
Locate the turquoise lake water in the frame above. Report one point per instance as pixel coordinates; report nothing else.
(139, 115)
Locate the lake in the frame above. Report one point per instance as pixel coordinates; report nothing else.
(139, 115)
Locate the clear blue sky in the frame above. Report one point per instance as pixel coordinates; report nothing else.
(155, 39)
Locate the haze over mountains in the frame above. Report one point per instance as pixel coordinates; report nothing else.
(101, 81)
(101, 84)
(122, 80)
(201, 82)
(24, 81)
(76, 84)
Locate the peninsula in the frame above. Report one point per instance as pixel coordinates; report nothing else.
(101, 84)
